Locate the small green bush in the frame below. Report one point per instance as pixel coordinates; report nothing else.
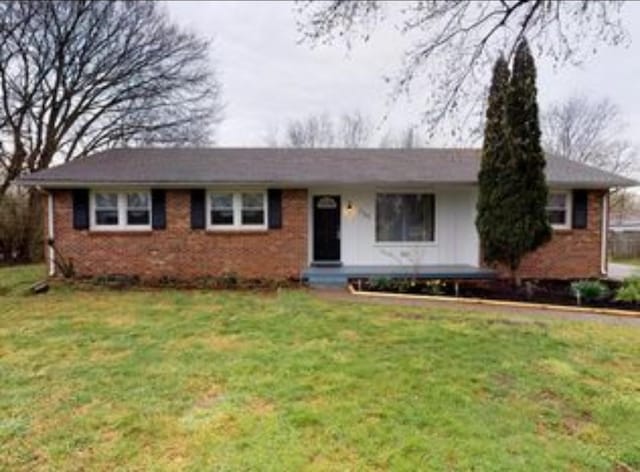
(589, 290)
(434, 287)
(380, 283)
(630, 290)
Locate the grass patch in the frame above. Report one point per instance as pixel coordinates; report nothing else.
(195, 380)
(631, 261)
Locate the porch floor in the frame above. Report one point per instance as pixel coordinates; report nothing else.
(334, 276)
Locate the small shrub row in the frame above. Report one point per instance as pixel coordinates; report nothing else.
(226, 281)
(406, 285)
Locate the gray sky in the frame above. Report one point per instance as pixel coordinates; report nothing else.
(269, 79)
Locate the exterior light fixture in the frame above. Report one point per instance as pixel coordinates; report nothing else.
(349, 206)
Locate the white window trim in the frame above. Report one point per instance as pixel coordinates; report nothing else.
(569, 209)
(433, 242)
(122, 211)
(237, 210)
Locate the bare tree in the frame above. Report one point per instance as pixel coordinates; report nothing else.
(79, 76)
(589, 131)
(311, 132)
(321, 131)
(354, 130)
(407, 138)
(454, 43)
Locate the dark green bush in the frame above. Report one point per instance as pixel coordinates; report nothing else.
(589, 290)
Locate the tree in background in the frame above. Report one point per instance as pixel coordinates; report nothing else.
(454, 43)
(512, 219)
(80, 76)
(590, 131)
(351, 130)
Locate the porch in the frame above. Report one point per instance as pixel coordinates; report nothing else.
(340, 275)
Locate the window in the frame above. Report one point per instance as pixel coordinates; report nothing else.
(138, 208)
(130, 210)
(106, 205)
(252, 208)
(221, 209)
(237, 210)
(558, 209)
(405, 217)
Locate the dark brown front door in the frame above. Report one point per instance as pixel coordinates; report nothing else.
(326, 228)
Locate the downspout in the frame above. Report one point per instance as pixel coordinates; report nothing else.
(50, 235)
(605, 231)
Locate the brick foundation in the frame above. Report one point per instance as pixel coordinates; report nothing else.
(182, 253)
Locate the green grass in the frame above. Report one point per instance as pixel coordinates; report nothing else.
(168, 380)
(631, 261)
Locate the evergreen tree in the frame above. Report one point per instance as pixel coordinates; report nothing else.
(531, 225)
(493, 218)
(512, 219)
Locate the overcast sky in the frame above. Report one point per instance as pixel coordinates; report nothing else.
(269, 79)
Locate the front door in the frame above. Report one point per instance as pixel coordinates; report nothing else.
(326, 228)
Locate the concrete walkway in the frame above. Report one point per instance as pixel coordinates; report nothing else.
(517, 312)
(619, 271)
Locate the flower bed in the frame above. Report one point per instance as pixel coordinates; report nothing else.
(547, 291)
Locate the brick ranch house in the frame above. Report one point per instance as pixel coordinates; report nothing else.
(303, 213)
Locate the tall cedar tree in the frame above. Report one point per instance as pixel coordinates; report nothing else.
(512, 219)
(493, 218)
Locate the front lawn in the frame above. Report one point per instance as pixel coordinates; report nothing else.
(101, 380)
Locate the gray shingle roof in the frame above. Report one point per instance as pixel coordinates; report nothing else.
(295, 167)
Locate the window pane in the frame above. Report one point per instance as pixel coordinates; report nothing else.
(222, 200)
(107, 217)
(253, 217)
(138, 217)
(557, 200)
(106, 200)
(138, 200)
(252, 200)
(404, 217)
(557, 217)
(221, 217)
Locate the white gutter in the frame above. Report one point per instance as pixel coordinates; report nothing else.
(605, 230)
(50, 235)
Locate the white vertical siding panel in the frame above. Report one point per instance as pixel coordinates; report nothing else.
(456, 236)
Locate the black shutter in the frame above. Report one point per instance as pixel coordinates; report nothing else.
(275, 208)
(80, 198)
(158, 209)
(580, 209)
(197, 209)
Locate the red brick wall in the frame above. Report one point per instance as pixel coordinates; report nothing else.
(183, 253)
(571, 253)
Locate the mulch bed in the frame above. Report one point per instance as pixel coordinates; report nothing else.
(547, 291)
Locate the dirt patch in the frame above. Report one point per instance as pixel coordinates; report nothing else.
(210, 398)
(261, 407)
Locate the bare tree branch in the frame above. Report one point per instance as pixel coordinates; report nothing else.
(79, 76)
(454, 43)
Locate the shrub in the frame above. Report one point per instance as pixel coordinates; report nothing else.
(380, 283)
(229, 280)
(589, 290)
(434, 287)
(630, 290)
